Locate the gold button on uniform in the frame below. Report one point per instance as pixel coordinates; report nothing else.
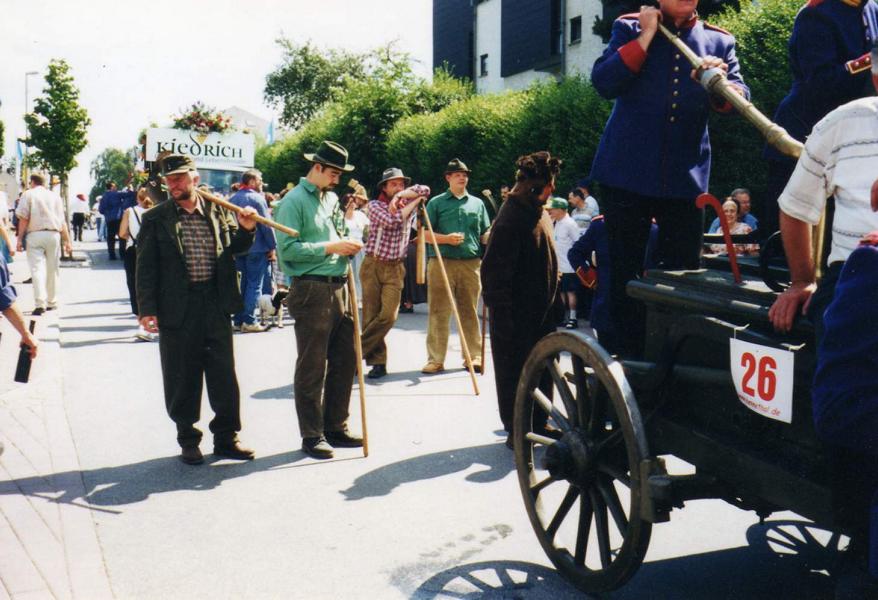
(676, 93)
(676, 81)
(673, 119)
(674, 105)
(676, 69)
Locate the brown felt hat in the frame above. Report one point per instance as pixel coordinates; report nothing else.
(177, 163)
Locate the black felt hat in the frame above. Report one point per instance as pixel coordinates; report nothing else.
(331, 155)
(455, 165)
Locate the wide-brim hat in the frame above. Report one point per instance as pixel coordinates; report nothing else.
(332, 155)
(177, 163)
(393, 173)
(455, 165)
(559, 203)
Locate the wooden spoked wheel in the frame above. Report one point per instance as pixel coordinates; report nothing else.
(580, 473)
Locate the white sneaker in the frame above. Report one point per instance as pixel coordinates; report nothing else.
(252, 328)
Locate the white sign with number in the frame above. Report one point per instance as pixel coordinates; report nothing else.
(763, 378)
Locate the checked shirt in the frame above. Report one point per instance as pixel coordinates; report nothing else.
(389, 233)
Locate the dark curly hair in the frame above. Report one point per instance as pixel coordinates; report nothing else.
(540, 166)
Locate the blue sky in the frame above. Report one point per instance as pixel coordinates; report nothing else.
(134, 66)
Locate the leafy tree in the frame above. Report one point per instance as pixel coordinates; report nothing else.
(113, 165)
(308, 79)
(58, 125)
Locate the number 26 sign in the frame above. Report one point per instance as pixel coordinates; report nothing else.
(763, 378)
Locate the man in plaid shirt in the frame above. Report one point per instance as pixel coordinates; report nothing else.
(391, 217)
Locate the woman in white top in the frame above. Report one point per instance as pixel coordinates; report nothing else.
(566, 234)
(129, 228)
(357, 223)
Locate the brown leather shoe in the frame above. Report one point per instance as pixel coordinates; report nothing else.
(343, 439)
(431, 368)
(191, 455)
(233, 450)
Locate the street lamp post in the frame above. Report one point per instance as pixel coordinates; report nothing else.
(24, 173)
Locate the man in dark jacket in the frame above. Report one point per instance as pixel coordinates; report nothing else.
(520, 276)
(187, 288)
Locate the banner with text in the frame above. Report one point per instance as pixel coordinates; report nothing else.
(229, 151)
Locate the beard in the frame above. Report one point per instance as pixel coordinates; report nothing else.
(183, 196)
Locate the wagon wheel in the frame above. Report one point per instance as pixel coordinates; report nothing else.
(594, 466)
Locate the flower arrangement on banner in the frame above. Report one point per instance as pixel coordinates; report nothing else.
(204, 119)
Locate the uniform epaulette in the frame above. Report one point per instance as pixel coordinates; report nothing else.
(628, 16)
(715, 28)
(813, 3)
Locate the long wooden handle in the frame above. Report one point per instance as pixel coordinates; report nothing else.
(258, 218)
(358, 350)
(714, 81)
(421, 258)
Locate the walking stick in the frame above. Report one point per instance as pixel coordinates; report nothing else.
(358, 350)
(484, 326)
(468, 357)
(256, 217)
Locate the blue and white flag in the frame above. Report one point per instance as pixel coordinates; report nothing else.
(269, 135)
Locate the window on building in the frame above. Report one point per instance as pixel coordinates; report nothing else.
(575, 30)
(483, 65)
(557, 29)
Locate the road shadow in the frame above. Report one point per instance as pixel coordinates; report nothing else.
(496, 459)
(284, 392)
(102, 301)
(101, 341)
(129, 484)
(762, 570)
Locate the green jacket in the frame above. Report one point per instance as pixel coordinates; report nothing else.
(162, 278)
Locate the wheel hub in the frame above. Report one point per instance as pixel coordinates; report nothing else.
(569, 459)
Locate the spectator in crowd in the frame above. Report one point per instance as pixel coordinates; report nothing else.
(583, 208)
(41, 217)
(112, 205)
(129, 229)
(391, 218)
(78, 210)
(566, 232)
(318, 261)
(10, 310)
(520, 277)
(357, 222)
(742, 197)
(590, 203)
(504, 193)
(253, 266)
(99, 221)
(7, 248)
(460, 222)
(731, 210)
(187, 289)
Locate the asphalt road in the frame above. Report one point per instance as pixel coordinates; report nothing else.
(433, 512)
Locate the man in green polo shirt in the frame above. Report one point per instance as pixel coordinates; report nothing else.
(460, 222)
(317, 260)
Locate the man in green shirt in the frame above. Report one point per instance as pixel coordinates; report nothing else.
(317, 260)
(460, 222)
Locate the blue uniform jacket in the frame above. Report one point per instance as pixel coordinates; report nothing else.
(826, 34)
(655, 142)
(595, 240)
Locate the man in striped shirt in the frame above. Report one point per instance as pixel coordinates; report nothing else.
(391, 217)
(840, 159)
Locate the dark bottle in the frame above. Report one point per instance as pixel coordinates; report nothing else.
(22, 369)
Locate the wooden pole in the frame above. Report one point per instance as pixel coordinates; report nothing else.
(358, 350)
(469, 360)
(256, 217)
(484, 327)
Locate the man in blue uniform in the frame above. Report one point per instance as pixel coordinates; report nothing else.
(845, 402)
(654, 157)
(829, 56)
